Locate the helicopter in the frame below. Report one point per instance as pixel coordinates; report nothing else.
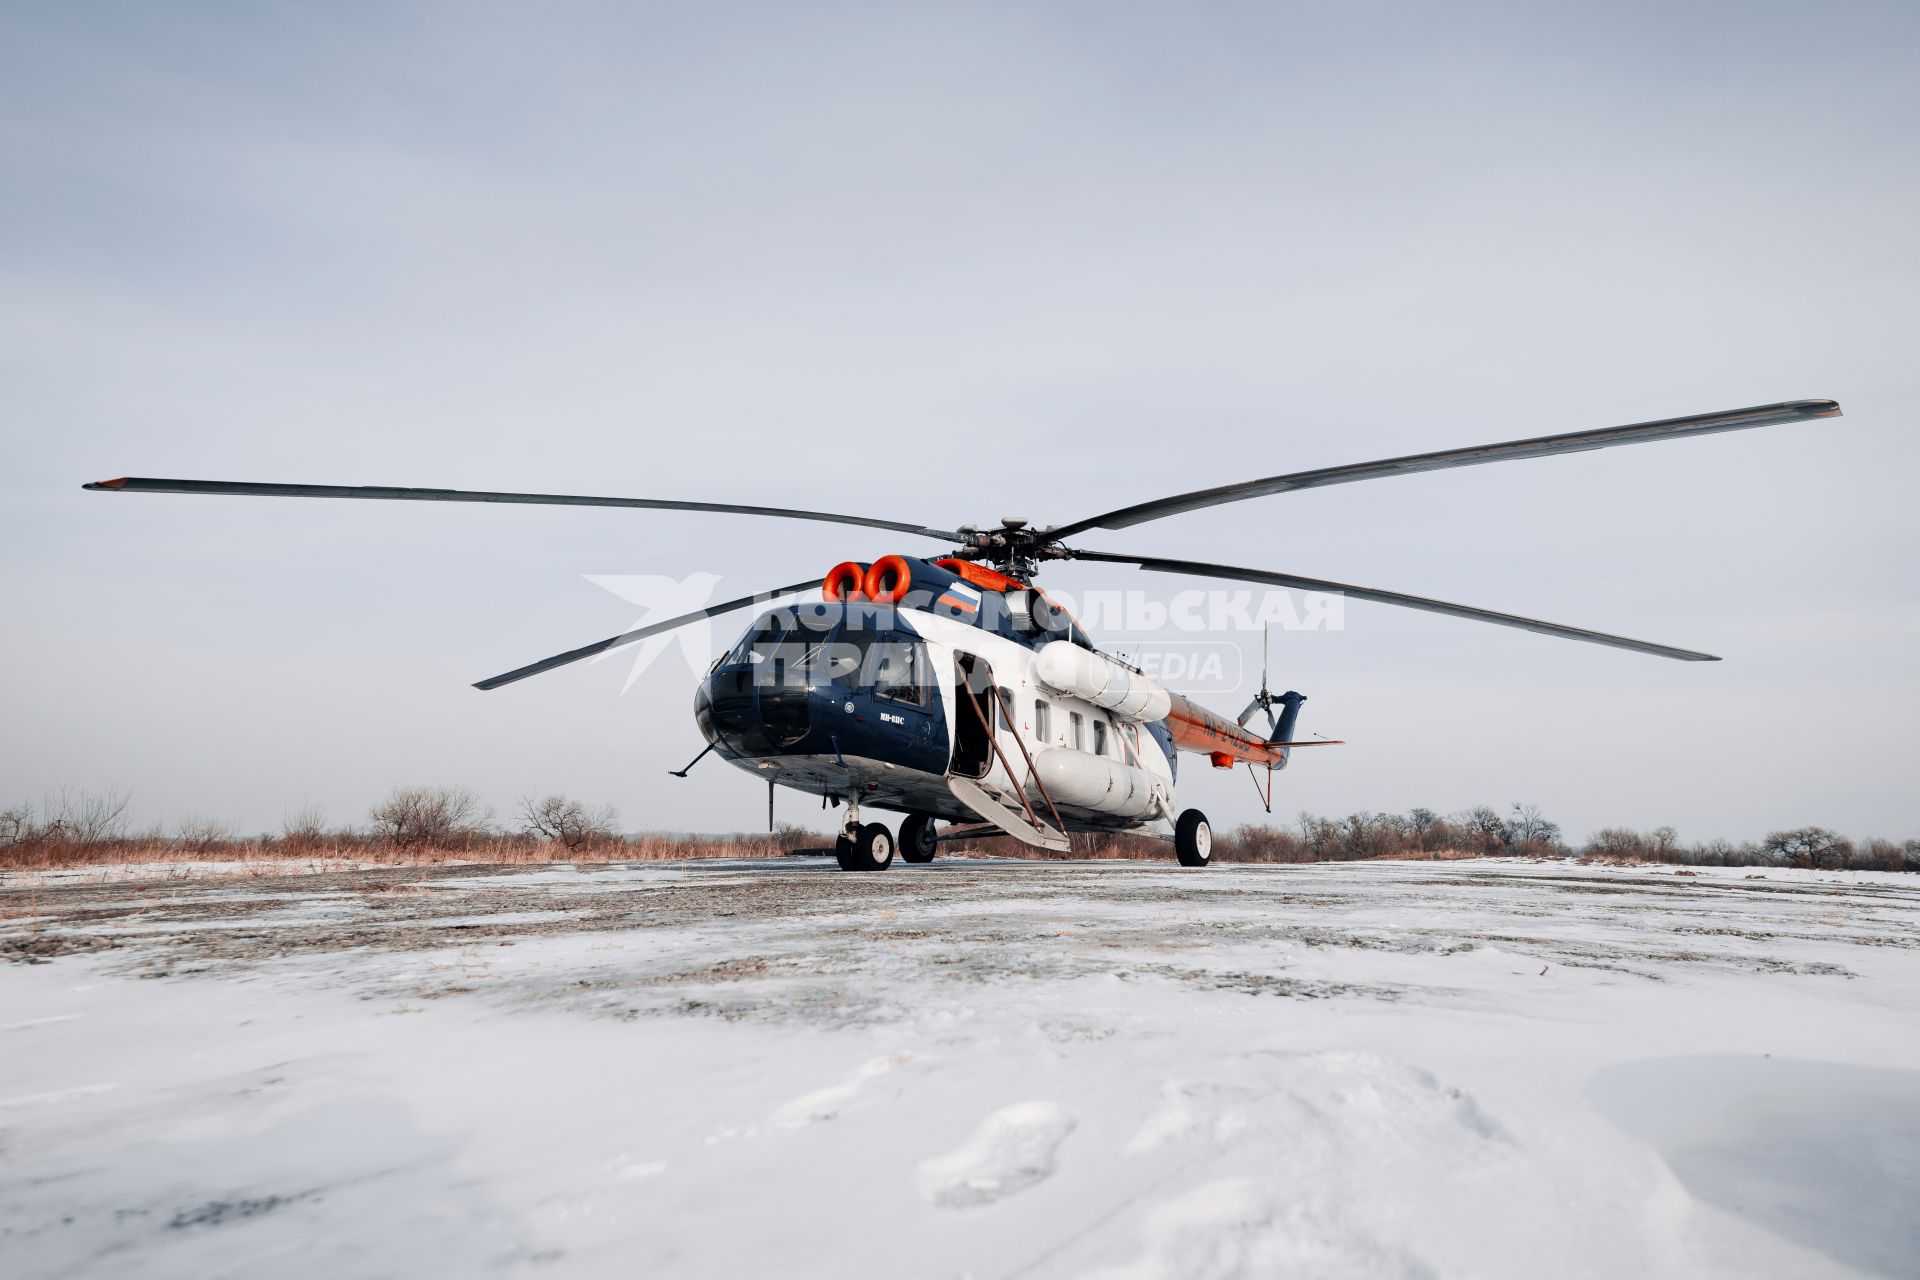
(953, 689)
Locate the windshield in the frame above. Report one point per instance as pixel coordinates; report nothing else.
(852, 648)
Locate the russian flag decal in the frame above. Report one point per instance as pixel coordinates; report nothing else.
(960, 596)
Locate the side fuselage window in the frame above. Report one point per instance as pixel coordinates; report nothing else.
(893, 668)
(1099, 737)
(1078, 725)
(1042, 721)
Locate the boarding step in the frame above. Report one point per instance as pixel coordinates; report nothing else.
(1010, 820)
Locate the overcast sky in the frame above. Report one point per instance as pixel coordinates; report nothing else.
(946, 263)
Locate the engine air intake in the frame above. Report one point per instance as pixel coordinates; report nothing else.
(845, 581)
(889, 579)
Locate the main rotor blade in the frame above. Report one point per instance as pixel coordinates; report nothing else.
(1268, 578)
(146, 484)
(640, 633)
(1537, 447)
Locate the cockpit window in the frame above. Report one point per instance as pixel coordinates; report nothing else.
(896, 669)
(833, 644)
(761, 638)
(891, 663)
(785, 649)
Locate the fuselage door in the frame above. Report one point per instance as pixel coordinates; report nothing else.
(973, 716)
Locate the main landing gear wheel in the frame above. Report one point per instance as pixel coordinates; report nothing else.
(1193, 839)
(917, 839)
(871, 850)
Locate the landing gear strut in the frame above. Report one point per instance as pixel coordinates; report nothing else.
(1193, 839)
(917, 838)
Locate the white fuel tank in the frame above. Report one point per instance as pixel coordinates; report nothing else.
(1082, 780)
(1065, 667)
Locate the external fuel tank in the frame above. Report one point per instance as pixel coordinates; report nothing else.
(1067, 668)
(1098, 784)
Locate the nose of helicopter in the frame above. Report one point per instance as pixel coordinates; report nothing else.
(744, 713)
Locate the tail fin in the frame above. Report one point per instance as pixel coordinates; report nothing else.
(1283, 732)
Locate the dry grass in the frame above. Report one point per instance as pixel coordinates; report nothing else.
(282, 856)
(331, 852)
(429, 826)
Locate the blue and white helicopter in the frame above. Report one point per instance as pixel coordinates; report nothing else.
(952, 689)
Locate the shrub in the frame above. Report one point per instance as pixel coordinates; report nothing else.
(202, 835)
(1617, 843)
(1877, 855)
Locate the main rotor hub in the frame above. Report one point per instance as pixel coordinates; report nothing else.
(1013, 548)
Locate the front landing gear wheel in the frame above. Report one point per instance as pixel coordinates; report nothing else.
(1193, 839)
(917, 839)
(871, 850)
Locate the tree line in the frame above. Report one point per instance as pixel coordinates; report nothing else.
(70, 827)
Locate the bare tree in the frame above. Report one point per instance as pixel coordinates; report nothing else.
(1815, 848)
(17, 826)
(567, 822)
(1426, 830)
(1320, 836)
(305, 827)
(429, 815)
(1366, 835)
(1528, 831)
(84, 818)
(1720, 853)
(1483, 830)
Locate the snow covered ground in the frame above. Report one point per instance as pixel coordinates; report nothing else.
(971, 1069)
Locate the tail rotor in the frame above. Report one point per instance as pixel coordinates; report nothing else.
(1263, 700)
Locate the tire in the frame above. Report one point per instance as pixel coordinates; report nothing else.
(1193, 839)
(872, 850)
(917, 839)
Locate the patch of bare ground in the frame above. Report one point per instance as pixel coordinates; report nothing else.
(793, 940)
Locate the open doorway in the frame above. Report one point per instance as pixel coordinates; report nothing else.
(973, 716)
